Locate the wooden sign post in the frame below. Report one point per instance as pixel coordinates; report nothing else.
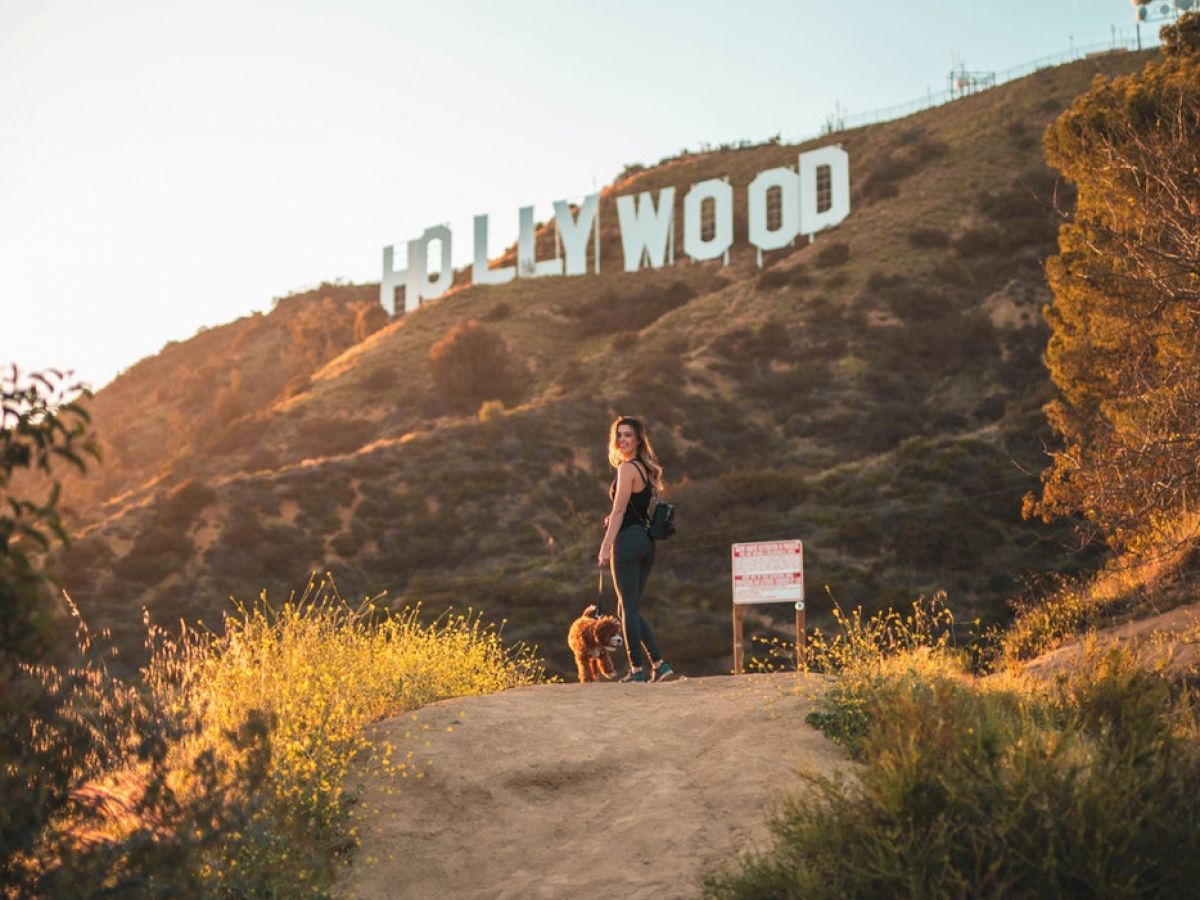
(767, 572)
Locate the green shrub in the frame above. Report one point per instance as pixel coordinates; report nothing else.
(318, 438)
(633, 311)
(162, 546)
(882, 182)
(472, 363)
(918, 304)
(185, 502)
(772, 278)
(382, 378)
(978, 241)
(1060, 611)
(833, 254)
(94, 805)
(928, 238)
(497, 313)
(155, 554)
(1090, 787)
(226, 769)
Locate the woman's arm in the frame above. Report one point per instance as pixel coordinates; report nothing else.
(617, 515)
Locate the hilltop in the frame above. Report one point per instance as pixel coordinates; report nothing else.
(876, 393)
(636, 789)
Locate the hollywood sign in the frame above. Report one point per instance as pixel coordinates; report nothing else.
(810, 198)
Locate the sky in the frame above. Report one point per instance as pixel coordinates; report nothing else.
(169, 166)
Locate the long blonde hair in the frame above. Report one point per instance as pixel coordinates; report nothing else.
(645, 450)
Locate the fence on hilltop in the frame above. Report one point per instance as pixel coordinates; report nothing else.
(971, 84)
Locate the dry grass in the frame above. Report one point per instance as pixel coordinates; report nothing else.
(1147, 580)
(258, 733)
(1084, 785)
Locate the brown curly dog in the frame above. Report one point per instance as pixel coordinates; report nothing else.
(591, 640)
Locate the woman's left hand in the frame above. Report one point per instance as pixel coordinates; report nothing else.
(603, 557)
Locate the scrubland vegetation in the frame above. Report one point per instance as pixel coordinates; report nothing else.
(985, 785)
(225, 768)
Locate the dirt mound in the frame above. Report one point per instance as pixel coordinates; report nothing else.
(573, 790)
(1169, 642)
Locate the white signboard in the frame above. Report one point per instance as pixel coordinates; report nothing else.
(768, 572)
(813, 196)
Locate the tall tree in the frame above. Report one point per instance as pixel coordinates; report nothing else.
(1125, 345)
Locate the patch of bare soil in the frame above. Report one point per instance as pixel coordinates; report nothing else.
(1168, 642)
(573, 790)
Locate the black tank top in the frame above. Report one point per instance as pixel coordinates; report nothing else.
(637, 511)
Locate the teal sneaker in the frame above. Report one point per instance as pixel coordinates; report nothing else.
(639, 677)
(664, 672)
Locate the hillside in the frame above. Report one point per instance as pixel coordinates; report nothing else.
(876, 393)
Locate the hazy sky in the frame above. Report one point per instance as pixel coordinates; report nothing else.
(166, 166)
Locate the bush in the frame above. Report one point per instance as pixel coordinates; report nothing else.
(95, 805)
(772, 278)
(1087, 788)
(928, 238)
(472, 363)
(831, 255)
(1065, 609)
(382, 378)
(186, 501)
(156, 553)
(345, 545)
(613, 312)
(917, 304)
(225, 771)
(498, 312)
(978, 241)
(882, 182)
(316, 438)
(743, 347)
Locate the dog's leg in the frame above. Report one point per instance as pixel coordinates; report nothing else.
(584, 665)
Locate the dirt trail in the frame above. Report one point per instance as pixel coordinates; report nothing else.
(573, 790)
(1169, 641)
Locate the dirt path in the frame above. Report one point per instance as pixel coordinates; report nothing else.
(1169, 641)
(575, 790)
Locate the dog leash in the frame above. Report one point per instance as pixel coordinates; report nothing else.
(600, 595)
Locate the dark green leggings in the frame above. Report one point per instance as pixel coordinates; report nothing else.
(632, 558)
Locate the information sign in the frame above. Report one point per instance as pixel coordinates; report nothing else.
(768, 572)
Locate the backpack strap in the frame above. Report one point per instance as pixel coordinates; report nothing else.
(654, 494)
(643, 472)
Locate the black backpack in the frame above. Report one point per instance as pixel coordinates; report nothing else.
(660, 524)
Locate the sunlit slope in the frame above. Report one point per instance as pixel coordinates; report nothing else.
(876, 393)
(169, 405)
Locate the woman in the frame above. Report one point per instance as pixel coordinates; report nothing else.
(628, 546)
